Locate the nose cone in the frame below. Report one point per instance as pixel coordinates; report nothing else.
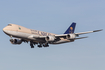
(4, 29)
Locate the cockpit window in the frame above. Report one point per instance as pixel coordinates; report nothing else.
(9, 25)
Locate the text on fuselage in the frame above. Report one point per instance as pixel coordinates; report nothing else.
(40, 33)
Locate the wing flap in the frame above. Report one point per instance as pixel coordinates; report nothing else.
(80, 38)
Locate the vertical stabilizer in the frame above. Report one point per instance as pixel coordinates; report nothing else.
(71, 29)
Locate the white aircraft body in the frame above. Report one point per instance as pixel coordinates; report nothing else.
(42, 39)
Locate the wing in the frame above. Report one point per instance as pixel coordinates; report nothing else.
(88, 32)
(65, 36)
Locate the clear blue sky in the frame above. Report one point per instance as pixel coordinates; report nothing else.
(54, 16)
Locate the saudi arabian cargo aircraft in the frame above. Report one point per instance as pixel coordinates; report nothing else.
(22, 34)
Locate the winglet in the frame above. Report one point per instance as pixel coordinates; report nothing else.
(71, 29)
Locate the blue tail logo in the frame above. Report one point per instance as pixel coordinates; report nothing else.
(71, 29)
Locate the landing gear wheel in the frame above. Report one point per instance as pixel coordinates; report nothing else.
(46, 45)
(31, 44)
(39, 46)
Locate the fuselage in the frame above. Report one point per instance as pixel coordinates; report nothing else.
(27, 34)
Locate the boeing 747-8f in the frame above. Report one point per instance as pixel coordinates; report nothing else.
(42, 39)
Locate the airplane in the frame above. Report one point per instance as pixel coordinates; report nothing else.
(19, 34)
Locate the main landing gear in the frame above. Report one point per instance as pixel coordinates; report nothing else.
(46, 45)
(40, 45)
(32, 44)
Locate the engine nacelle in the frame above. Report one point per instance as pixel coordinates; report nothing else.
(70, 36)
(16, 41)
(50, 38)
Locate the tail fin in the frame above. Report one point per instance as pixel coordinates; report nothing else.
(71, 29)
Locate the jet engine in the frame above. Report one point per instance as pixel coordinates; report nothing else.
(50, 38)
(16, 41)
(70, 36)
